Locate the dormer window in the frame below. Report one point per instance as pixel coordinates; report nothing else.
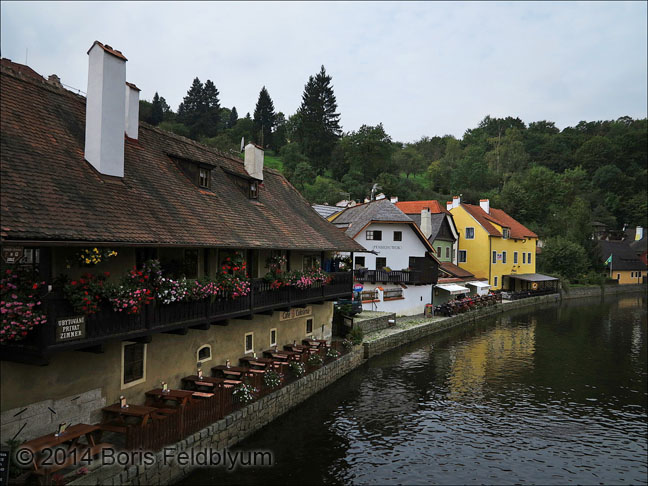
(506, 233)
(203, 178)
(254, 189)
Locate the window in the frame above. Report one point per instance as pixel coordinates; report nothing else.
(462, 256)
(309, 326)
(439, 251)
(618, 276)
(529, 258)
(523, 257)
(381, 262)
(447, 252)
(360, 262)
(495, 281)
(515, 257)
(273, 337)
(249, 342)
(506, 233)
(190, 269)
(133, 364)
(311, 261)
(494, 257)
(470, 233)
(374, 235)
(204, 353)
(203, 178)
(398, 236)
(503, 257)
(254, 189)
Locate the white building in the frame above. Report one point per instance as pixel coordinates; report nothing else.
(399, 269)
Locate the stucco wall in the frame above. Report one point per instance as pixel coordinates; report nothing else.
(396, 252)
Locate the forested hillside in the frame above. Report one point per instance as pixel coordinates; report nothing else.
(556, 182)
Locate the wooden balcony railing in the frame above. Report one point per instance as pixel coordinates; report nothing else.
(396, 276)
(106, 324)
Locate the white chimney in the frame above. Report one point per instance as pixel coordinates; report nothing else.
(105, 110)
(448, 205)
(485, 205)
(639, 233)
(254, 161)
(132, 110)
(394, 199)
(426, 222)
(456, 201)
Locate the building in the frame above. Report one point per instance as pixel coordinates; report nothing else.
(86, 187)
(622, 262)
(436, 224)
(638, 241)
(399, 269)
(492, 245)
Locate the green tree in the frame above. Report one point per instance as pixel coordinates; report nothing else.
(264, 119)
(409, 160)
(233, 118)
(595, 153)
(200, 109)
(318, 123)
(303, 174)
(157, 113)
(323, 190)
(564, 257)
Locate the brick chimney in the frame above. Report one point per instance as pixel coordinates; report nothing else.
(106, 110)
(485, 205)
(132, 111)
(254, 161)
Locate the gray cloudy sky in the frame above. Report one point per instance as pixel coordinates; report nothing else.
(419, 68)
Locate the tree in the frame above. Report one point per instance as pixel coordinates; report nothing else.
(303, 175)
(367, 151)
(264, 119)
(157, 113)
(409, 160)
(563, 257)
(200, 109)
(233, 118)
(596, 152)
(323, 190)
(318, 122)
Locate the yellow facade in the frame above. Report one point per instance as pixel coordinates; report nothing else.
(520, 254)
(628, 276)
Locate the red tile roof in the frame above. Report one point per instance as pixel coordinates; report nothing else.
(109, 50)
(50, 193)
(415, 207)
(497, 216)
(455, 271)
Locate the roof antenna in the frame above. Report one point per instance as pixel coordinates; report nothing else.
(373, 191)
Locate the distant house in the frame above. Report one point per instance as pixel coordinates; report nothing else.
(495, 247)
(399, 269)
(638, 241)
(622, 262)
(437, 225)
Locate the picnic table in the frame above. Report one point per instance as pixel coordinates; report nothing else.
(115, 416)
(69, 441)
(282, 355)
(235, 371)
(158, 396)
(209, 382)
(318, 343)
(301, 349)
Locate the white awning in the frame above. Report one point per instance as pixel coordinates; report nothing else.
(477, 283)
(453, 288)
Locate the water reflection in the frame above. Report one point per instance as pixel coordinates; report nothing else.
(556, 395)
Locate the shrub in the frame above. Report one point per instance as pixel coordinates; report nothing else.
(86, 294)
(356, 335)
(298, 369)
(271, 379)
(347, 344)
(315, 360)
(244, 393)
(332, 353)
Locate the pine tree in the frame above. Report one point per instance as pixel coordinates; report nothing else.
(264, 119)
(200, 109)
(319, 124)
(233, 118)
(157, 113)
(212, 109)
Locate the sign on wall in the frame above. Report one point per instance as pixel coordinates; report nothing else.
(12, 254)
(296, 312)
(70, 328)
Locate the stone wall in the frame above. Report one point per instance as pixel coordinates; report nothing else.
(375, 323)
(228, 431)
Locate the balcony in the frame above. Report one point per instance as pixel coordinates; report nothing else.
(412, 277)
(176, 318)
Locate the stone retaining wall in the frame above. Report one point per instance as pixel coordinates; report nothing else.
(375, 323)
(227, 431)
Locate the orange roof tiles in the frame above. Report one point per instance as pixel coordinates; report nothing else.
(501, 218)
(415, 207)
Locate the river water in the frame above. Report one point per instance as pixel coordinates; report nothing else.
(548, 396)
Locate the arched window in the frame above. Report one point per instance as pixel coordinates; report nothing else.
(204, 353)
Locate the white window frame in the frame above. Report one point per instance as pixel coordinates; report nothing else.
(529, 258)
(312, 326)
(198, 360)
(494, 257)
(465, 253)
(506, 233)
(245, 350)
(515, 257)
(400, 234)
(130, 384)
(495, 281)
(473, 232)
(524, 257)
(274, 329)
(503, 257)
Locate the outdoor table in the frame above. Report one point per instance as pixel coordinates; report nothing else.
(260, 362)
(237, 371)
(120, 414)
(209, 381)
(314, 342)
(282, 355)
(69, 439)
(181, 397)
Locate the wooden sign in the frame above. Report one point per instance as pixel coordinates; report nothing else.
(70, 328)
(295, 313)
(12, 254)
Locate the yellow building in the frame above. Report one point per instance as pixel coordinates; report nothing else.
(622, 262)
(491, 243)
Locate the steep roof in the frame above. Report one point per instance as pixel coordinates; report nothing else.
(501, 218)
(455, 271)
(415, 207)
(623, 256)
(359, 216)
(324, 210)
(50, 193)
(436, 219)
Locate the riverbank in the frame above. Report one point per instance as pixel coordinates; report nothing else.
(235, 427)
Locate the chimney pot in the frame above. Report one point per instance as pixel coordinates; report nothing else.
(132, 111)
(485, 205)
(456, 201)
(254, 161)
(426, 223)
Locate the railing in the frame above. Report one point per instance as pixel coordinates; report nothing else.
(395, 276)
(107, 324)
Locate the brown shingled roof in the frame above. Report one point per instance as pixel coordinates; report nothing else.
(497, 216)
(50, 193)
(109, 50)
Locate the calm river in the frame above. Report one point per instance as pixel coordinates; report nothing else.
(549, 396)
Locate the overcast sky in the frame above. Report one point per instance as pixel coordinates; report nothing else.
(419, 68)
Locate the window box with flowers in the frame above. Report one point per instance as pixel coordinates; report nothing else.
(19, 306)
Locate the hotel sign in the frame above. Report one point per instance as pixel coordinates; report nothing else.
(70, 328)
(295, 313)
(12, 254)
